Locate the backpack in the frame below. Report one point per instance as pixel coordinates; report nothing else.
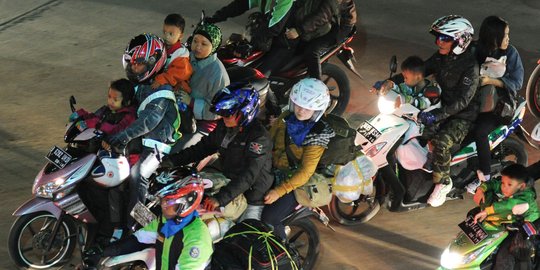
(341, 148)
(251, 245)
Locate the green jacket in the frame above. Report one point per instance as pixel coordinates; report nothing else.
(414, 95)
(499, 208)
(190, 248)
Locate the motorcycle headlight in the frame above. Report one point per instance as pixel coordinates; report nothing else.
(47, 190)
(451, 260)
(388, 103)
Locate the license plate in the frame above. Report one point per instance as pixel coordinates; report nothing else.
(474, 232)
(142, 214)
(369, 132)
(58, 157)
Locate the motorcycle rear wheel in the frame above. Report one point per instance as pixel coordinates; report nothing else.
(31, 233)
(533, 92)
(303, 237)
(348, 213)
(340, 89)
(511, 151)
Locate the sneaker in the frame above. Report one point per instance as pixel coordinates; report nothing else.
(472, 186)
(438, 196)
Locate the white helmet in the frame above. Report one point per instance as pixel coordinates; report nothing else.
(457, 27)
(535, 134)
(112, 171)
(311, 94)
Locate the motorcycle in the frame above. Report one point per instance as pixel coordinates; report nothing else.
(407, 189)
(237, 51)
(302, 234)
(476, 245)
(533, 91)
(49, 225)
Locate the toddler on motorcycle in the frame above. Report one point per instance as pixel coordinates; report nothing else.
(300, 139)
(178, 70)
(244, 149)
(181, 239)
(496, 199)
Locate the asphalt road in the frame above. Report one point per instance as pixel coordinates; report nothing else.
(50, 50)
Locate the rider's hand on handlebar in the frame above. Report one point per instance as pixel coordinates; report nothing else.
(166, 162)
(382, 87)
(106, 146)
(292, 33)
(426, 118)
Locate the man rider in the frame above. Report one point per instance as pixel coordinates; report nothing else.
(157, 116)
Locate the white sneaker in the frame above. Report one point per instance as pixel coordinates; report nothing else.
(438, 196)
(472, 186)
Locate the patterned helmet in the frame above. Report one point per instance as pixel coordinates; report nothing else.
(112, 171)
(311, 94)
(187, 196)
(144, 49)
(457, 27)
(238, 97)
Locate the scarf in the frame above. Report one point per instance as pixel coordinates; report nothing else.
(298, 130)
(171, 227)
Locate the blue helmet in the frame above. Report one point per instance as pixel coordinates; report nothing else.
(238, 97)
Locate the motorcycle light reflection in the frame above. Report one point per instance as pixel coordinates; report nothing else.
(388, 103)
(46, 190)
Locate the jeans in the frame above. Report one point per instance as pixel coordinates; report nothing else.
(274, 213)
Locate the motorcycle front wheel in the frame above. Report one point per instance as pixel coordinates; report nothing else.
(339, 86)
(31, 235)
(533, 92)
(303, 239)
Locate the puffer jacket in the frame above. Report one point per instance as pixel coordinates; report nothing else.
(457, 76)
(246, 160)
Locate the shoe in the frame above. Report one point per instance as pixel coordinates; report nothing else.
(438, 196)
(472, 186)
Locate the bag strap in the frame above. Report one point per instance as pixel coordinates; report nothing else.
(293, 161)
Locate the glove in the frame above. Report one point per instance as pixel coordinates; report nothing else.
(166, 162)
(81, 125)
(426, 118)
(117, 142)
(378, 84)
(343, 33)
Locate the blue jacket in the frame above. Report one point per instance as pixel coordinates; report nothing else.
(513, 77)
(209, 76)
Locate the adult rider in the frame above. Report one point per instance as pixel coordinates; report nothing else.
(456, 70)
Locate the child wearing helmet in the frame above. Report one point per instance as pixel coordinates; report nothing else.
(177, 67)
(181, 239)
(209, 77)
(244, 148)
(158, 118)
(301, 130)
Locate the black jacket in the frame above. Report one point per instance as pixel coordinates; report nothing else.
(314, 18)
(246, 160)
(458, 77)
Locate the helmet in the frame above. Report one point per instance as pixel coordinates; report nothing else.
(457, 27)
(311, 94)
(187, 196)
(535, 135)
(237, 97)
(114, 169)
(145, 49)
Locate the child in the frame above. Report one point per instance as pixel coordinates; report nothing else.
(497, 197)
(411, 90)
(177, 68)
(114, 117)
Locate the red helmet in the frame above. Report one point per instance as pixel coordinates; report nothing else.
(187, 196)
(146, 49)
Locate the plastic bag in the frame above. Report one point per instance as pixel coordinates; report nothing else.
(354, 179)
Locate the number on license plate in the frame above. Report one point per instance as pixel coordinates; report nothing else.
(369, 132)
(58, 157)
(473, 231)
(142, 214)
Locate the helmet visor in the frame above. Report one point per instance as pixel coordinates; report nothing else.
(443, 38)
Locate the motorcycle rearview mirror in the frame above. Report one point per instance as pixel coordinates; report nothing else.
(203, 15)
(520, 209)
(72, 102)
(393, 66)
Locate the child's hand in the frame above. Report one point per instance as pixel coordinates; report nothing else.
(155, 84)
(185, 98)
(106, 146)
(479, 196)
(485, 80)
(480, 216)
